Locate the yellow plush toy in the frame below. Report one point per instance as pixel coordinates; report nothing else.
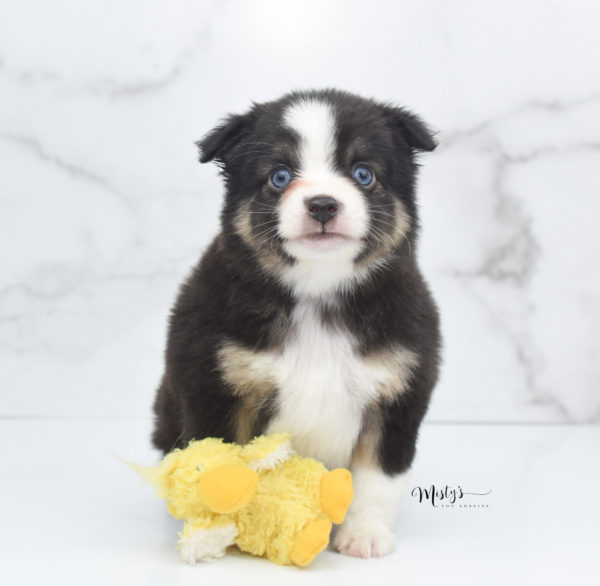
(261, 497)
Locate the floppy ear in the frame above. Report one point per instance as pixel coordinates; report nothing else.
(218, 142)
(414, 131)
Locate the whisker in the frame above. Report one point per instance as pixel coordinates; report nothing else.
(265, 205)
(396, 244)
(271, 229)
(382, 209)
(385, 214)
(265, 223)
(382, 221)
(380, 213)
(381, 234)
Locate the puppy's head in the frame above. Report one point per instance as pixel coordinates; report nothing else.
(319, 184)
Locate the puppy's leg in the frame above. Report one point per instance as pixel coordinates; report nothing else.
(367, 530)
(167, 425)
(380, 464)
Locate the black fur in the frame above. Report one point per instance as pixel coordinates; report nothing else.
(230, 295)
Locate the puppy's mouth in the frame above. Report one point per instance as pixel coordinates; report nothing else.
(322, 242)
(322, 235)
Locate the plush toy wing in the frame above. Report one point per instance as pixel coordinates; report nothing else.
(266, 452)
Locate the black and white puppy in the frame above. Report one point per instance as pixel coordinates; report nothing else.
(308, 313)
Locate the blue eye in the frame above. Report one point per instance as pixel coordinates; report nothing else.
(281, 177)
(363, 175)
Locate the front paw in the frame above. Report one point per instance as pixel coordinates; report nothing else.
(364, 539)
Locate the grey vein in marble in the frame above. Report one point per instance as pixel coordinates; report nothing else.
(35, 147)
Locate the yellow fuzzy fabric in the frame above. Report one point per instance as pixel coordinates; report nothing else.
(278, 512)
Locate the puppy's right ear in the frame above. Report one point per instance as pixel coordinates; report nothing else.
(412, 129)
(218, 142)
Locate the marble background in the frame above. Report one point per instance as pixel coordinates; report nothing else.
(104, 208)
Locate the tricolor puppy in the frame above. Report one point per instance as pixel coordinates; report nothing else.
(308, 313)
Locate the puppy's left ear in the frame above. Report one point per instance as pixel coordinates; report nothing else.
(218, 142)
(412, 129)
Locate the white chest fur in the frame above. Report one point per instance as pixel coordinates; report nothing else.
(323, 385)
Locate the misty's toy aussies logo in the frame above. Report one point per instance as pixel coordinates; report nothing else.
(449, 497)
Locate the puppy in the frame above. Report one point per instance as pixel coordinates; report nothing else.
(308, 313)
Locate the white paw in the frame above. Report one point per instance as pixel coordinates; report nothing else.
(364, 539)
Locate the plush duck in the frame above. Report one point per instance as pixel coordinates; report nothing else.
(261, 497)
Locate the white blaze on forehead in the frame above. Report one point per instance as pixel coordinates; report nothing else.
(322, 265)
(314, 122)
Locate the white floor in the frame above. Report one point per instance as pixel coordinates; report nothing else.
(73, 513)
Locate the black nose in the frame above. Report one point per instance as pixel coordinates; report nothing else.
(322, 208)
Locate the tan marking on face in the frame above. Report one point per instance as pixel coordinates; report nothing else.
(242, 223)
(269, 260)
(402, 225)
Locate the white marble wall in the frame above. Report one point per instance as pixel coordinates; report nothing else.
(103, 207)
